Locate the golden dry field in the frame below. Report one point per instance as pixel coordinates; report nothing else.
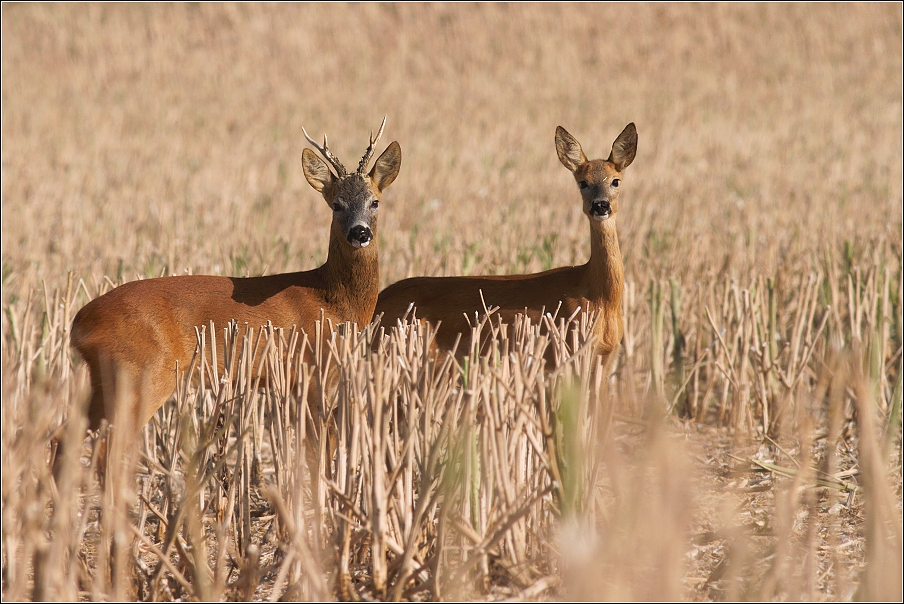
(748, 443)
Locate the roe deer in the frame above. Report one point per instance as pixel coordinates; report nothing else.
(139, 331)
(596, 286)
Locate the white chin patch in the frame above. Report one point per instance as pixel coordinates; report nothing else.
(602, 217)
(358, 244)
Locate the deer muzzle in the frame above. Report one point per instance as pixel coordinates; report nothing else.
(360, 236)
(600, 209)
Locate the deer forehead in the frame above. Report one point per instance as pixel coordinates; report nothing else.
(597, 172)
(355, 188)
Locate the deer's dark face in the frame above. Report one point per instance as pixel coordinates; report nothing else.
(355, 201)
(354, 198)
(599, 180)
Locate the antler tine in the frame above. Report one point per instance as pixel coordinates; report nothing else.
(325, 152)
(380, 132)
(370, 148)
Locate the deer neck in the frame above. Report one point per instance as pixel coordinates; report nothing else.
(352, 278)
(604, 275)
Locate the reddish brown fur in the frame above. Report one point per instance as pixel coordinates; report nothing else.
(595, 286)
(140, 331)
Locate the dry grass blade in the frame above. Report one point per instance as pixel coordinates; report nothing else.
(823, 481)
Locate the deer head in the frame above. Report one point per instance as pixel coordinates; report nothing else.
(598, 179)
(354, 198)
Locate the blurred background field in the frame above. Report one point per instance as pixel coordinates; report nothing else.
(761, 229)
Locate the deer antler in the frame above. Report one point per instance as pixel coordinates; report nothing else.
(325, 152)
(370, 148)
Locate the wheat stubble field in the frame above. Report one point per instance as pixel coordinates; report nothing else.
(748, 444)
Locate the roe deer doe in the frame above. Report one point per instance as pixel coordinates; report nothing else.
(139, 331)
(596, 286)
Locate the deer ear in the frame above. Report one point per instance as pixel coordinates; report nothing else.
(315, 171)
(387, 166)
(569, 149)
(624, 148)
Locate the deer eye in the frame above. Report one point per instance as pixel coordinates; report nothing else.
(615, 182)
(337, 207)
(583, 184)
(375, 204)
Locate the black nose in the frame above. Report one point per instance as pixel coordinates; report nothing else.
(361, 234)
(600, 208)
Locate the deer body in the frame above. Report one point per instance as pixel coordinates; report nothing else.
(596, 286)
(141, 330)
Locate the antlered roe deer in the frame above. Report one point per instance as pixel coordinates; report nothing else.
(596, 286)
(139, 331)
